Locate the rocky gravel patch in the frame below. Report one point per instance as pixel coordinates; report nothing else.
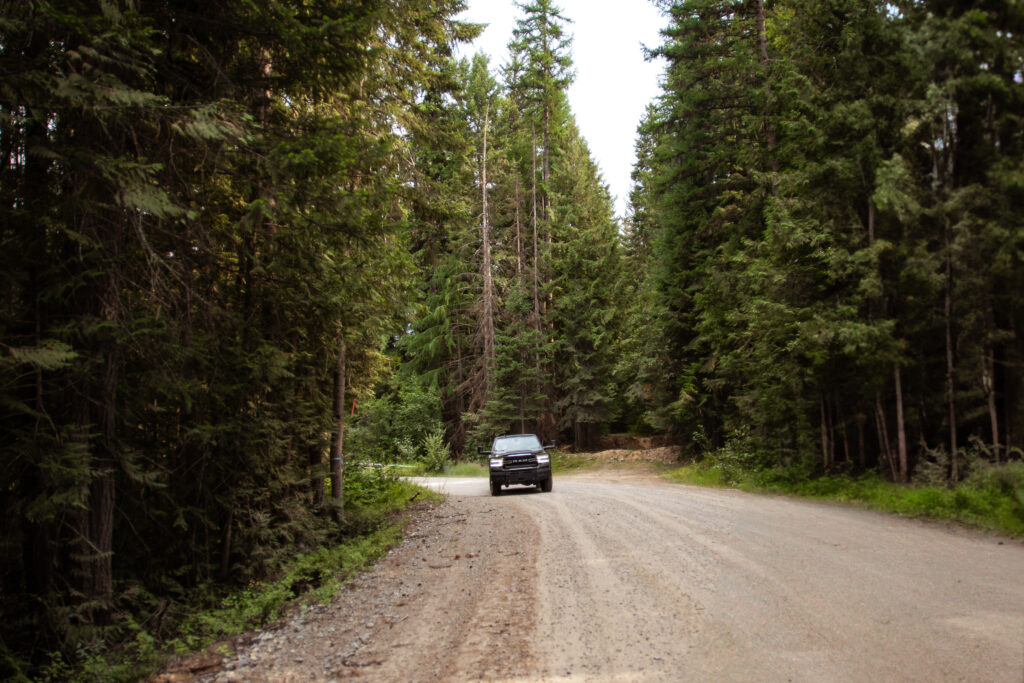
(664, 455)
(452, 601)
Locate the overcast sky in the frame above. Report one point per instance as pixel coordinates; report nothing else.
(613, 82)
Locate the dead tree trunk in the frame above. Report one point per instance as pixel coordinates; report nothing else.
(488, 294)
(536, 267)
(536, 250)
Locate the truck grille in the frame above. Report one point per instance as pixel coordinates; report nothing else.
(513, 462)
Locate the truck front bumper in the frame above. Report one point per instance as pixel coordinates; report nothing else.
(525, 475)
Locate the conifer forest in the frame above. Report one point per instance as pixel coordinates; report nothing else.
(249, 247)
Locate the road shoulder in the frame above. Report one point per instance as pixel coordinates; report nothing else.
(454, 600)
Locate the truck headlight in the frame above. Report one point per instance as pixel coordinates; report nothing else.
(543, 459)
(496, 463)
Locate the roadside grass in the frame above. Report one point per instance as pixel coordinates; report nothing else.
(563, 462)
(309, 578)
(467, 469)
(455, 469)
(992, 498)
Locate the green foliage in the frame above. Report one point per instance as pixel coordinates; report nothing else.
(211, 614)
(436, 453)
(321, 572)
(395, 426)
(533, 351)
(817, 199)
(214, 226)
(197, 211)
(1006, 480)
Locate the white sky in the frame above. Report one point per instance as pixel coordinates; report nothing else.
(613, 82)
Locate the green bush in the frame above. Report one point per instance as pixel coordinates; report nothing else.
(1007, 478)
(392, 427)
(436, 453)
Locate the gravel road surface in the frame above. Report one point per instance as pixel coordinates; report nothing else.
(621, 577)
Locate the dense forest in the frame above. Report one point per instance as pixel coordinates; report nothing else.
(248, 246)
(829, 196)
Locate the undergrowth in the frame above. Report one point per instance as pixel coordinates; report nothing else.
(211, 615)
(991, 498)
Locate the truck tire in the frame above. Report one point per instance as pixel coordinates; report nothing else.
(495, 488)
(545, 485)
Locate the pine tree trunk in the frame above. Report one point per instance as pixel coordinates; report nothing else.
(883, 437)
(102, 493)
(316, 459)
(536, 250)
(547, 163)
(871, 221)
(37, 541)
(225, 546)
(988, 381)
(519, 233)
(96, 525)
(824, 435)
(861, 448)
(488, 294)
(316, 463)
(338, 444)
(846, 444)
(459, 399)
(93, 429)
(536, 270)
(954, 459)
(901, 432)
(769, 128)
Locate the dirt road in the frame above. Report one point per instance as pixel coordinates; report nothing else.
(619, 577)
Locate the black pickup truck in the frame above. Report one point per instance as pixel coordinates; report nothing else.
(519, 459)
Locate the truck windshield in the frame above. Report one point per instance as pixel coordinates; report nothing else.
(508, 444)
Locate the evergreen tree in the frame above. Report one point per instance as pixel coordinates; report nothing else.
(208, 207)
(586, 301)
(822, 180)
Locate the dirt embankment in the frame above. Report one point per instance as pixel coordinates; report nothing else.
(633, 442)
(664, 455)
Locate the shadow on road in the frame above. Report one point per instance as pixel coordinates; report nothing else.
(520, 491)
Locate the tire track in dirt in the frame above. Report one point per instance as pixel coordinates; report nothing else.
(610, 610)
(454, 601)
(761, 588)
(618, 576)
(473, 612)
